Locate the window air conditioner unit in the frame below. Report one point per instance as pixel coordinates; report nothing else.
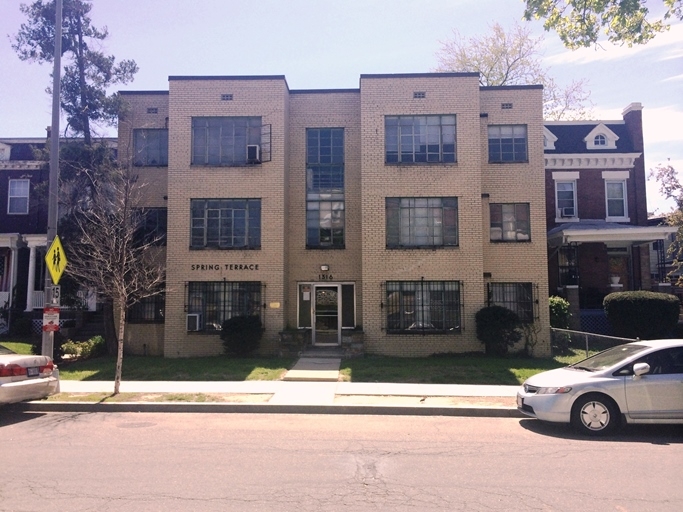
(194, 322)
(568, 211)
(253, 154)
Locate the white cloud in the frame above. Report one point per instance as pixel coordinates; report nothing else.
(662, 124)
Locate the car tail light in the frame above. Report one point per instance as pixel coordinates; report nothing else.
(47, 368)
(11, 370)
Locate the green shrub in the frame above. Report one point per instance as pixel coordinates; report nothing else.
(241, 335)
(94, 347)
(497, 328)
(559, 312)
(559, 318)
(642, 314)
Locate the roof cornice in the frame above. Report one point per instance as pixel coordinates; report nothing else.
(599, 161)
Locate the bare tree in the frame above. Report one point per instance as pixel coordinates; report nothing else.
(514, 58)
(112, 253)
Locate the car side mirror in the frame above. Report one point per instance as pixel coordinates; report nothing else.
(640, 369)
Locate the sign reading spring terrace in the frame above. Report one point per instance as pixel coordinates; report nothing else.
(225, 266)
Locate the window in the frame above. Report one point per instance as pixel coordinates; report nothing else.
(566, 199)
(510, 222)
(600, 140)
(151, 147)
(217, 301)
(423, 306)
(420, 139)
(325, 205)
(18, 197)
(148, 310)
(226, 223)
(507, 144)
(421, 221)
(615, 193)
(517, 297)
(152, 226)
(224, 140)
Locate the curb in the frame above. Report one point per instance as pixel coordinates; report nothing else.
(156, 407)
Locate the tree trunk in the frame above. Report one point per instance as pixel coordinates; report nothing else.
(119, 352)
(110, 338)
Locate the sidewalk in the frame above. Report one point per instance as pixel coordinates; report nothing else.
(310, 387)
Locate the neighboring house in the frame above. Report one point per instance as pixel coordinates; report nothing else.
(599, 236)
(23, 226)
(398, 209)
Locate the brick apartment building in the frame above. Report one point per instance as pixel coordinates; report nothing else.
(398, 209)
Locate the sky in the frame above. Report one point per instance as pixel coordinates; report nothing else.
(328, 44)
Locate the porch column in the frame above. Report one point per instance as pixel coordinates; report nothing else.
(13, 272)
(31, 278)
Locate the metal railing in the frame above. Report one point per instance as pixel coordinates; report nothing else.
(563, 339)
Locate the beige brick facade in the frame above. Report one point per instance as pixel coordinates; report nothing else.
(292, 276)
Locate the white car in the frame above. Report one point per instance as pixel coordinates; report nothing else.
(639, 382)
(26, 377)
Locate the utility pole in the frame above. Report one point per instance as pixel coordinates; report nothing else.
(53, 184)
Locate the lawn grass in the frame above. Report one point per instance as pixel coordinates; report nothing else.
(444, 369)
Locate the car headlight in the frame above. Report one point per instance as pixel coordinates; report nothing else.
(554, 391)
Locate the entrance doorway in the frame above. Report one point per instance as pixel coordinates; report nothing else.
(326, 309)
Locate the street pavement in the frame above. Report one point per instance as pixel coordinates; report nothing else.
(312, 386)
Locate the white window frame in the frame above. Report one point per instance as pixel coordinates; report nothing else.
(566, 177)
(620, 177)
(11, 196)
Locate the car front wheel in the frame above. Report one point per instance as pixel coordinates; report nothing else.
(595, 415)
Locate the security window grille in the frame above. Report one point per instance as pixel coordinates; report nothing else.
(510, 222)
(148, 310)
(151, 147)
(224, 140)
(325, 204)
(152, 110)
(423, 306)
(518, 297)
(152, 226)
(226, 223)
(568, 266)
(218, 301)
(421, 222)
(616, 198)
(507, 143)
(17, 203)
(419, 139)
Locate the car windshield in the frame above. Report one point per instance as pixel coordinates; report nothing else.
(609, 357)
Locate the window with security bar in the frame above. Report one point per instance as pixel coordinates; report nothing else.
(325, 200)
(423, 306)
(217, 301)
(518, 297)
(148, 310)
(225, 224)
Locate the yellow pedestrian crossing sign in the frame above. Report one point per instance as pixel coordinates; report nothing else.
(56, 260)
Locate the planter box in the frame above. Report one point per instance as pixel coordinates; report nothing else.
(292, 342)
(353, 343)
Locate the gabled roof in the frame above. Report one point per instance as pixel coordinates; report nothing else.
(571, 137)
